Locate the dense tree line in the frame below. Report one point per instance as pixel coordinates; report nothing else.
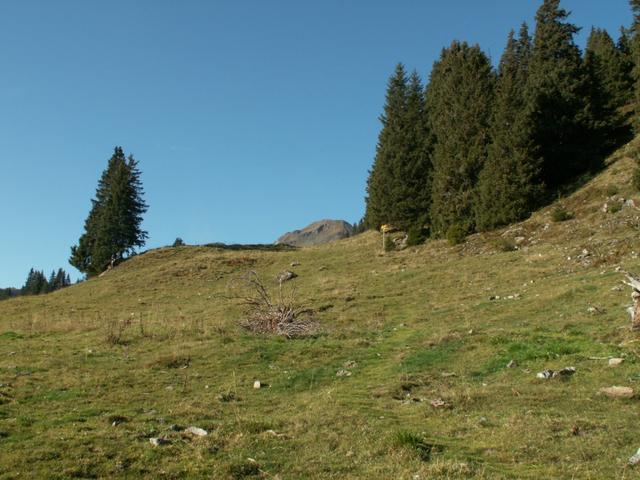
(478, 147)
(113, 226)
(37, 283)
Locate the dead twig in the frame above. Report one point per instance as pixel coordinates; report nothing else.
(265, 315)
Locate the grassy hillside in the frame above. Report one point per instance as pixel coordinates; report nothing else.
(88, 374)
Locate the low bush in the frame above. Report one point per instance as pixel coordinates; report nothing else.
(456, 234)
(561, 214)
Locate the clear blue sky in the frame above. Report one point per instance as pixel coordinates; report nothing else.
(249, 117)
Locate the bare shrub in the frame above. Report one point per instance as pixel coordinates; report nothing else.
(116, 329)
(264, 314)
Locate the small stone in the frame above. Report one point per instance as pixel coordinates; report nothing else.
(614, 362)
(438, 403)
(565, 372)
(295, 264)
(286, 276)
(447, 374)
(512, 364)
(257, 385)
(198, 432)
(545, 374)
(156, 441)
(629, 203)
(635, 459)
(350, 364)
(343, 373)
(617, 392)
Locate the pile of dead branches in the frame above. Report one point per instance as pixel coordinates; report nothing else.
(264, 314)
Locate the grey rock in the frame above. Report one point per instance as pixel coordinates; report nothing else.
(323, 231)
(635, 459)
(617, 392)
(198, 432)
(157, 441)
(545, 374)
(565, 372)
(285, 276)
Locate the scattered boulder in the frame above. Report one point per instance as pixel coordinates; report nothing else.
(157, 441)
(438, 403)
(565, 372)
(614, 362)
(617, 392)
(545, 374)
(257, 385)
(285, 276)
(343, 373)
(198, 432)
(635, 459)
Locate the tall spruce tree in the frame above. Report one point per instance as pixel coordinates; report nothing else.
(398, 184)
(113, 226)
(412, 169)
(458, 104)
(510, 186)
(610, 85)
(390, 143)
(635, 55)
(557, 98)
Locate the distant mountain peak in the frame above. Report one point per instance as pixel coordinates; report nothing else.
(317, 233)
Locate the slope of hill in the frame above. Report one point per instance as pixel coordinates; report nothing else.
(407, 379)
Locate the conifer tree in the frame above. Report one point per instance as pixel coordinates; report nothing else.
(510, 186)
(458, 106)
(113, 226)
(36, 283)
(398, 185)
(635, 55)
(390, 141)
(51, 284)
(610, 85)
(411, 199)
(557, 93)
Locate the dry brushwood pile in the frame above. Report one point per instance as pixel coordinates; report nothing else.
(264, 314)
